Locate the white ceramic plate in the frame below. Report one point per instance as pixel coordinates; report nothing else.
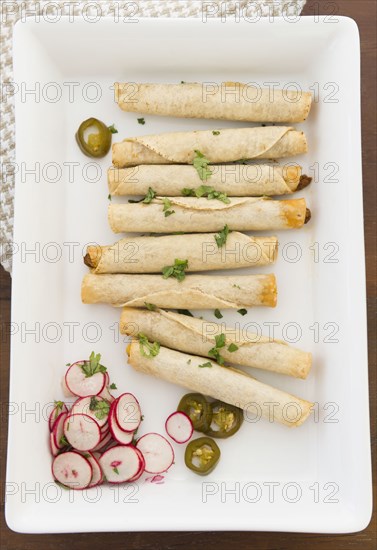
(315, 478)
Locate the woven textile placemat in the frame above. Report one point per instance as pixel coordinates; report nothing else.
(11, 12)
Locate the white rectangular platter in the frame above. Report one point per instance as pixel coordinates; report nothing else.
(314, 478)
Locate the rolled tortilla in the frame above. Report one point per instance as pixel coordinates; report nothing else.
(193, 335)
(224, 383)
(236, 180)
(227, 101)
(268, 142)
(194, 215)
(194, 292)
(151, 254)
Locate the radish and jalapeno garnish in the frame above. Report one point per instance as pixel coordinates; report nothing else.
(94, 137)
(202, 455)
(226, 420)
(197, 409)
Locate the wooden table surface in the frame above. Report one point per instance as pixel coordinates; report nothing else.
(364, 12)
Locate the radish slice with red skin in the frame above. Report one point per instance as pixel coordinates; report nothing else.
(124, 438)
(127, 412)
(157, 451)
(54, 449)
(97, 475)
(72, 470)
(82, 432)
(102, 444)
(55, 413)
(120, 463)
(82, 406)
(81, 385)
(58, 430)
(105, 393)
(179, 427)
(142, 467)
(65, 389)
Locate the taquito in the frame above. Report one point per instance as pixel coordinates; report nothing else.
(227, 101)
(197, 336)
(194, 215)
(194, 292)
(268, 142)
(224, 383)
(151, 254)
(236, 180)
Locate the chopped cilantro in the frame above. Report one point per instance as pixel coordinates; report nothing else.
(93, 366)
(222, 236)
(112, 129)
(232, 347)
(205, 365)
(200, 163)
(177, 270)
(218, 314)
(148, 349)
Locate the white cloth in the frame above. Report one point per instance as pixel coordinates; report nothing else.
(146, 8)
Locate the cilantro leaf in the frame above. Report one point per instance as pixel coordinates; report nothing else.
(63, 441)
(112, 129)
(149, 306)
(100, 408)
(141, 120)
(167, 205)
(205, 191)
(149, 196)
(93, 366)
(200, 163)
(215, 132)
(177, 270)
(222, 236)
(214, 352)
(113, 386)
(185, 312)
(242, 311)
(188, 192)
(220, 340)
(147, 199)
(148, 349)
(115, 470)
(205, 365)
(232, 347)
(218, 314)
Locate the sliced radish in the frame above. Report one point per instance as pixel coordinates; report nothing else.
(97, 476)
(105, 429)
(179, 427)
(120, 463)
(84, 405)
(141, 469)
(82, 432)
(54, 449)
(157, 451)
(81, 385)
(105, 393)
(72, 470)
(127, 412)
(119, 435)
(58, 430)
(103, 443)
(66, 391)
(58, 409)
